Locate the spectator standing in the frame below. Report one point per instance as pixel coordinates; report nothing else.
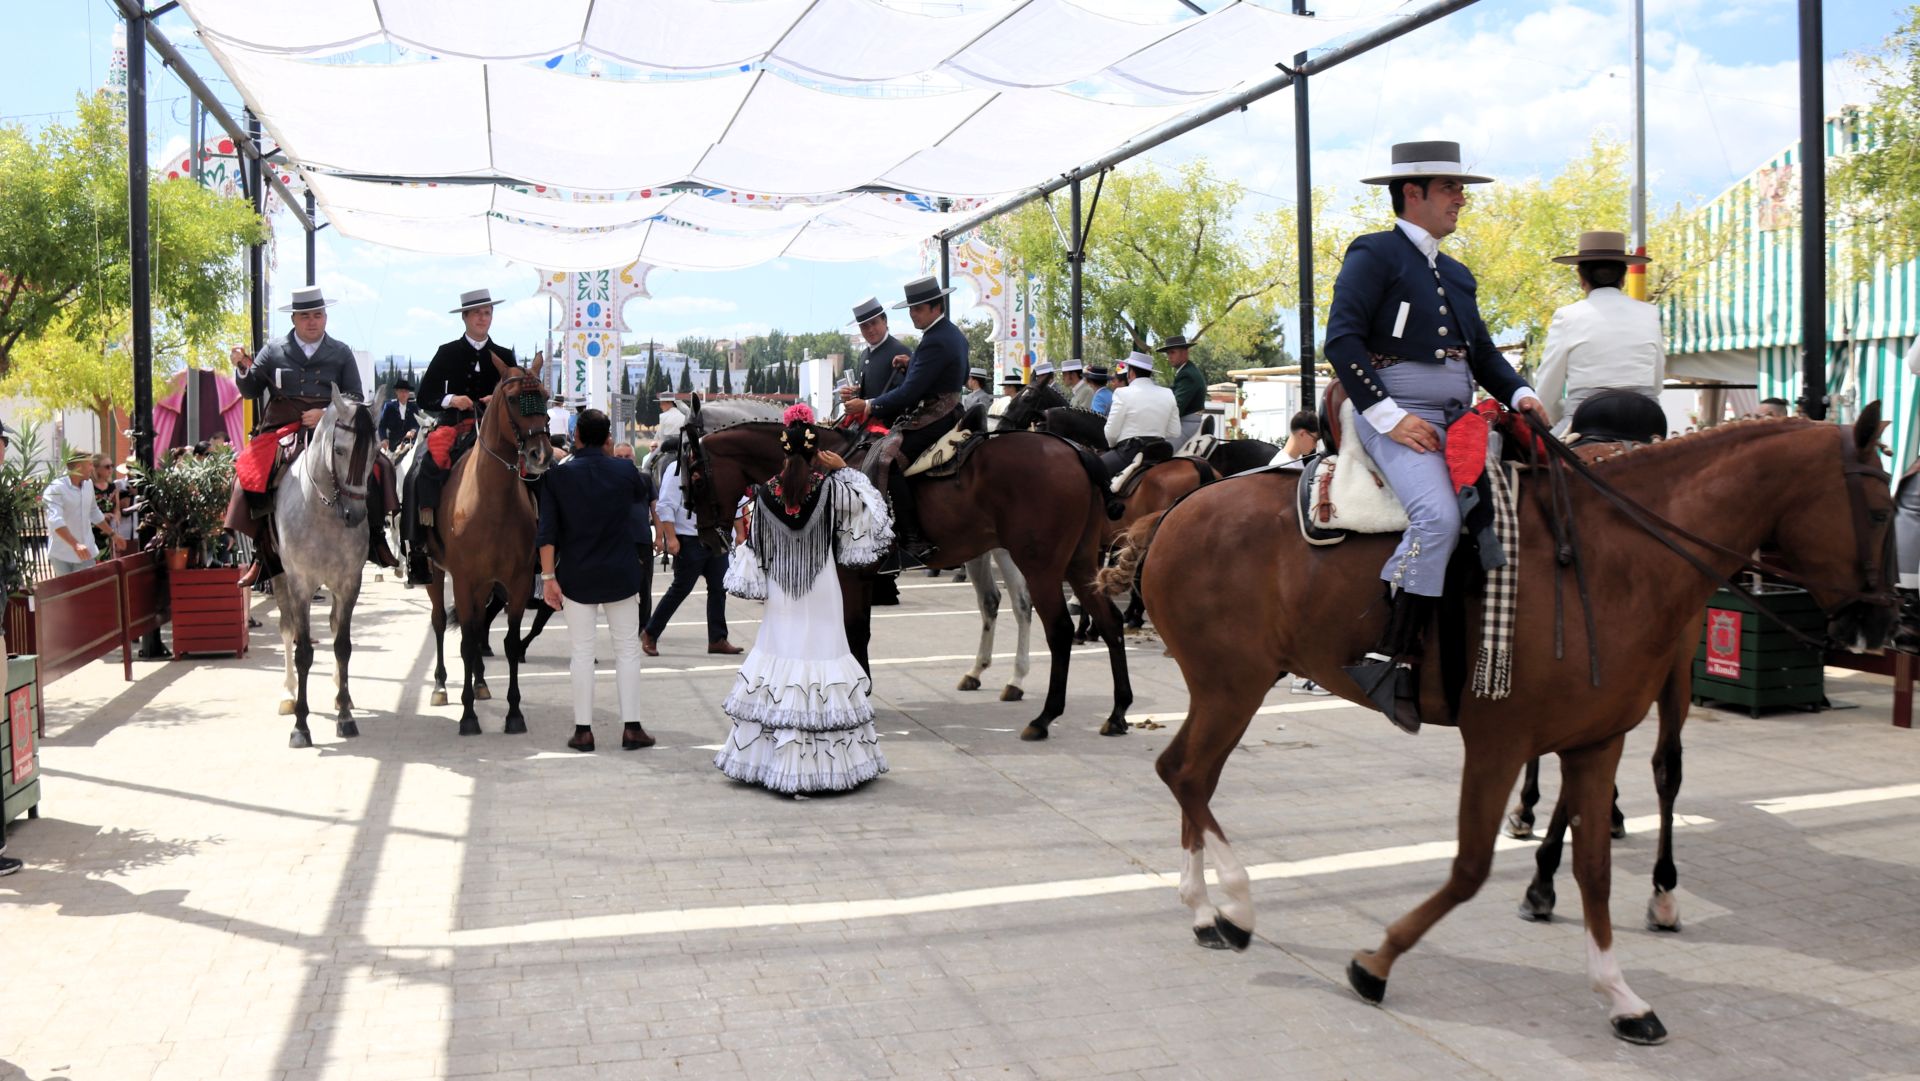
(587, 569)
(71, 516)
(679, 537)
(641, 525)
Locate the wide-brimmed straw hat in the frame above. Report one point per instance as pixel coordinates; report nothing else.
(1177, 341)
(1044, 367)
(1096, 373)
(1012, 378)
(1602, 246)
(922, 291)
(1072, 365)
(308, 299)
(1142, 361)
(866, 310)
(1435, 158)
(473, 298)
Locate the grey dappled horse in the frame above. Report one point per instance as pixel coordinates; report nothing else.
(320, 529)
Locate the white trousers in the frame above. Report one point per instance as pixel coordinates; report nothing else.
(623, 621)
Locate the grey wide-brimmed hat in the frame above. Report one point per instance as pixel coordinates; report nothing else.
(308, 299)
(473, 298)
(1142, 361)
(1602, 245)
(1177, 341)
(1415, 161)
(1072, 365)
(866, 310)
(923, 290)
(977, 373)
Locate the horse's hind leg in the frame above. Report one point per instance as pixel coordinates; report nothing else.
(1190, 768)
(1663, 911)
(1052, 607)
(516, 651)
(1520, 819)
(1484, 784)
(1106, 619)
(1539, 901)
(437, 603)
(1022, 603)
(986, 594)
(1588, 780)
(342, 626)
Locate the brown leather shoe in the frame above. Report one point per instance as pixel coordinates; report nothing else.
(634, 738)
(250, 576)
(649, 645)
(723, 646)
(581, 741)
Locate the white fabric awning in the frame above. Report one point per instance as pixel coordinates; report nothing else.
(803, 99)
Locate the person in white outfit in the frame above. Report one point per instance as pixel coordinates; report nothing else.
(1142, 408)
(1607, 341)
(71, 515)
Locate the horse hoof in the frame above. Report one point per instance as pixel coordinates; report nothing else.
(1537, 907)
(968, 683)
(1231, 935)
(1663, 912)
(1208, 936)
(299, 740)
(469, 726)
(286, 707)
(1115, 726)
(1369, 987)
(516, 726)
(1645, 1030)
(1619, 831)
(1011, 693)
(346, 729)
(1518, 829)
(481, 694)
(439, 698)
(1034, 732)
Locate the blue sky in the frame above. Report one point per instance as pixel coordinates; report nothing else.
(1523, 84)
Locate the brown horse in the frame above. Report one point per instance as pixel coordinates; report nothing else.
(483, 537)
(1815, 491)
(1031, 494)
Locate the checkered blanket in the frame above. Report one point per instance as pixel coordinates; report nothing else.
(1493, 669)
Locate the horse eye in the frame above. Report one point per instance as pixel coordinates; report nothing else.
(1880, 517)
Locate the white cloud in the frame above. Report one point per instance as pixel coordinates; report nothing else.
(684, 305)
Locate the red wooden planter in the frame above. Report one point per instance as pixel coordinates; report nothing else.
(209, 611)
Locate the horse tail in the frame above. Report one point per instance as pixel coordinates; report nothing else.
(1102, 481)
(1122, 573)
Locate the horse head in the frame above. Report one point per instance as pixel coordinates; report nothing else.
(520, 400)
(347, 437)
(1839, 538)
(698, 486)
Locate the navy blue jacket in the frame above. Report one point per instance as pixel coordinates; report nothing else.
(1384, 271)
(586, 507)
(877, 373)
(938, 366)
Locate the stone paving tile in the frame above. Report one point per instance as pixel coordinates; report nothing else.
(201, 902)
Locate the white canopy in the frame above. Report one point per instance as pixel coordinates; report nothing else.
(795, 98)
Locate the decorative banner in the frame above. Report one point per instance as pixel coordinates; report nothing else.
(1723, 643)
(592, 328)
(20, 717)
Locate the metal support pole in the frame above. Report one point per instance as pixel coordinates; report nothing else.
(1637, 197)
(311, 231)
(946, 268)
(1813, 216)
(138, 248)
(256, 253)
(1076, 255)
(1303, 217)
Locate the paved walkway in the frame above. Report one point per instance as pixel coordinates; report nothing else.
(202, 902)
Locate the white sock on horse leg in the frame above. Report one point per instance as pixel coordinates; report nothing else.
(1193, 886)
(1603, 975)
(1234, 882)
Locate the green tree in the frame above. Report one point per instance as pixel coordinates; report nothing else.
(979, 334)
(64, 261)
(1878, 184)
(686, 380)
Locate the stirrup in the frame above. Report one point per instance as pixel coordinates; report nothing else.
(1391, 686)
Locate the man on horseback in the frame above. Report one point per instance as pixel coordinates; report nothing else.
(399, 418)
(977, 392)
(1406, 340)
(922, 408)
(1073, 381)
(297, 376)
(1142, 411)
(458, 382)
(1189, 386)
(885, 362)
(1101, 400)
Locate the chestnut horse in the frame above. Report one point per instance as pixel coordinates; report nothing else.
(483, 537)
(1817, 492)
(1034, 495)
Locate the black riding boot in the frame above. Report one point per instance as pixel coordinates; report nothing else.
(1390, 674)
(906, 525)
(425, 489)
(1906, 637)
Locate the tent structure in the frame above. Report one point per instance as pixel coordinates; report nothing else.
(1741, 321)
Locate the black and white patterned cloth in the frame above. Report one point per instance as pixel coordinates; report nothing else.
(1493, 669)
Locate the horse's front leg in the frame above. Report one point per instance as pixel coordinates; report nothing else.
(472, 633)
(1016, 586)
(1663, 910)
(296, 640)
(1520, 819)
(1052, 608)
(1588, 775)
(516, 650)
(1106, 620)
(342, 626)
(437, 603)
(986, 596)
(856, 614)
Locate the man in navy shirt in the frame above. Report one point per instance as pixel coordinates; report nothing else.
(587, 566)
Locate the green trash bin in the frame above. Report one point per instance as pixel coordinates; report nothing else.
(20, 742)
(1746, 659)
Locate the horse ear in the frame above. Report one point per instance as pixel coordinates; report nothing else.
(539, 362)
(1867, 429)
(693, 404)
(499, 364)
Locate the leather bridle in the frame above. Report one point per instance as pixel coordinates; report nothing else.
(526, 385)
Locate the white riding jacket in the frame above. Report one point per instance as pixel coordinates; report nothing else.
(1143, 408)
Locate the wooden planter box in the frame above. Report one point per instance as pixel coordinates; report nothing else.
(1746, 659)
(209, 611)
(19, 743)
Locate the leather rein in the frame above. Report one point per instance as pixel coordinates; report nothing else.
(501, 394)
(1560, 458)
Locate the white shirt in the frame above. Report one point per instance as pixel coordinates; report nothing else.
(1607, 340)
(1143, 408)
(670, 506)
(446, 400)
(72, 506)
(1385, 414)
(307, 347)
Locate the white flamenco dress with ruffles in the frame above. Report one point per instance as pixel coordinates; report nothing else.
(802, 718)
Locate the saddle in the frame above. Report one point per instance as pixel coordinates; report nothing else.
(950, 452)
(1200, 446)
(1146, 453)
(1343, 492)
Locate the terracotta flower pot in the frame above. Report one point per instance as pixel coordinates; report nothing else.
(177, 558)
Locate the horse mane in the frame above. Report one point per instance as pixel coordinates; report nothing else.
(1744, 430)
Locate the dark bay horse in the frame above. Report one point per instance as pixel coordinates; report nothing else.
(320, 529)
(483, 537)
(1028, 493)
(1817, 492)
